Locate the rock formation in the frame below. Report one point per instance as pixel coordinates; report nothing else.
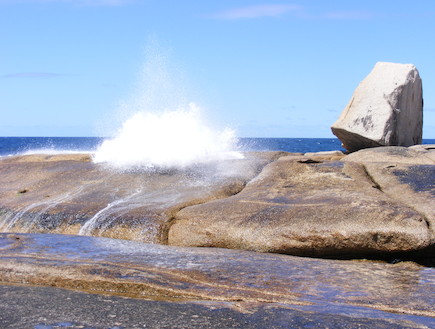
(307, 206)
(386, 109)
(375, 202)
(70, 194)
(241, 280)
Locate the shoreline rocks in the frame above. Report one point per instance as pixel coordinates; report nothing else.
(243, 280)
(374, 203)
(307, 208)
(20, 307)
(386, 109)
(70, 194)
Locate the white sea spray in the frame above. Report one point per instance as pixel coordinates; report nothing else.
(161, 128)
(170, 139)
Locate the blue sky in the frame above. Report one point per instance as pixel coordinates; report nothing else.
(264, 68)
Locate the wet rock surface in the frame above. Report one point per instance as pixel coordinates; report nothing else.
(70, 194)
(58, 308)
(374, 203)
(201, 287)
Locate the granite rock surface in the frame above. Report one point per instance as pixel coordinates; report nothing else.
(362, 292)
(386, 109)
(70, 194)
(312, 207)
(373, 203)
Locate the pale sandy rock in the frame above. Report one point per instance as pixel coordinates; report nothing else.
(375, 202)
(406, 175)
(427, 149)
(385, 109)
(418, 155)
(305, 208)
(411, 185)
(324, 153)
(70, 194)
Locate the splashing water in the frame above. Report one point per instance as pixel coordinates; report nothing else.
(163, 130)
(172, 139)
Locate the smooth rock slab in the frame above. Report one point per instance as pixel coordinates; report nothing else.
(414, 155)
(51, 308)
(284, 289)
(70, 194)
(406, 175)
(305, 207)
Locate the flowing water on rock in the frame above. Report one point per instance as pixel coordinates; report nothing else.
(36, 211)
(104, 217)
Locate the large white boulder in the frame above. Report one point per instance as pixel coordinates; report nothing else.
(386, 109)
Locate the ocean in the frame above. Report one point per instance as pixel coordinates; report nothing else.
(21, 145)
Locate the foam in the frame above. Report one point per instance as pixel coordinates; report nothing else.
(167, 139)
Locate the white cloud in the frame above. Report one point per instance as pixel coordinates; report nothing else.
(267, 10)
(352, 15)
(75, 2)
(275, 10)
(106, 2)
(32, 75)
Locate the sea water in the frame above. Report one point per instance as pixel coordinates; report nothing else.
(48, 145)
(53, 145)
